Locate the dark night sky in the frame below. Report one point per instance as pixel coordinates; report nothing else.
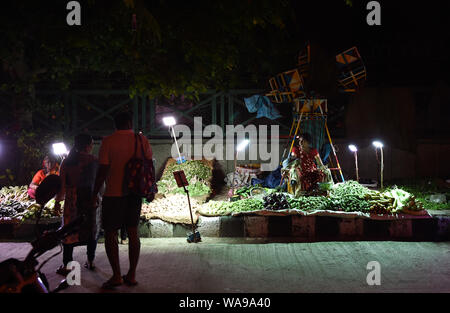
(411, 47)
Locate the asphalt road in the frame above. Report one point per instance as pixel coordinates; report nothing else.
(249, 265)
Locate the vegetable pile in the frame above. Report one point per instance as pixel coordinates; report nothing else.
(309, 203)
(347, 197)
(276, 201)
(173, 208)
(15, 204)
(256, 191)
(246, 205)
(352, 197)
(13, 209)
(198, 174)
(14, 193)
(215, 208)
(403, 201)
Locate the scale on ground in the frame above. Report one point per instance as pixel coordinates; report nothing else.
(180, 177)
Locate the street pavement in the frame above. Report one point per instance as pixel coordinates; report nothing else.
(233, 265)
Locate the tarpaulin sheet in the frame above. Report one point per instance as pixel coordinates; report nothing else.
(262, 106)
(271, 181)
(424, 214)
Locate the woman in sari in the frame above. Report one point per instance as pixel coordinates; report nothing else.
(307, 169)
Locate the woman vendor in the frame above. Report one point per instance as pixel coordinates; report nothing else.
(306, 169)
(49, 167)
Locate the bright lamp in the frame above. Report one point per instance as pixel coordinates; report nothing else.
(377, 144)
(242, 145)
(353, 148)
(169, 121)
(59, 148)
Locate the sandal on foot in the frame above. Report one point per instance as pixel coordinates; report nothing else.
(109, 285)
(62, 270)
(128, 282)
(89, 265)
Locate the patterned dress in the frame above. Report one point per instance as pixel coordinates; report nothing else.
(309, 174)
(303, 172)
(77, 186)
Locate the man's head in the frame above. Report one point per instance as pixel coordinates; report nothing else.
(83, 142)
(123, 120)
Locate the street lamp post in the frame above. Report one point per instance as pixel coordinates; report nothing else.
(170, 122)
(379, 144)
(355, 152)
(239, 148)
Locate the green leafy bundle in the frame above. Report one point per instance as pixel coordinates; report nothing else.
(197, 174)
(310, 203)
(215, 208)
(352, 188)
(246, 205)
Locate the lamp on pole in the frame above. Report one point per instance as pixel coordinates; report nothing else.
(240, 147)
(378, 144)
(170, 122)
(355, 152)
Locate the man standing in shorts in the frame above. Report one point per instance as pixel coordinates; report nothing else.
(119, 208)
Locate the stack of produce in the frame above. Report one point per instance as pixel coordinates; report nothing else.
(246, 205)
(350, 187)
(347, 197)
(219, 208)
(244, 192)
(310, 203)
(173, 209)
(256, 191)
(14, 193)
(15, 204)
(403, 201)
(216, 208)
(198, 174)
(276, 201)
(13, 209)
(47, 212)
(353, 197)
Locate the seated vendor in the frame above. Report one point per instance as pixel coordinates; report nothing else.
(49, 166)
(307, 168)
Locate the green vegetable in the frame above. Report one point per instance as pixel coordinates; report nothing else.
(249, 204)
(197, 174)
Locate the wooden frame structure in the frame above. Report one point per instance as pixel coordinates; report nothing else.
(351, 70)
(305, 109)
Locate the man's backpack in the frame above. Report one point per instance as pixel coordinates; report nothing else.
(140, 178)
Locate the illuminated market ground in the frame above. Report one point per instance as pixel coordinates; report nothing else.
(230, 265)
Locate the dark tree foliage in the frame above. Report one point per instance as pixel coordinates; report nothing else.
(177, 47)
